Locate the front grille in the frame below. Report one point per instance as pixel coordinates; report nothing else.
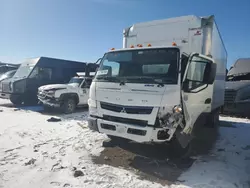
(6, 87)
(135, 122)
(44, 95)
(127, 109)
(230, 96)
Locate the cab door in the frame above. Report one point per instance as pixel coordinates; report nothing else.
(197, 88)
(84, 91)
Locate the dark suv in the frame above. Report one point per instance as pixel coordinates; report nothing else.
(237, 91)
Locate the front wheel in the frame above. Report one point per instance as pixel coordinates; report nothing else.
(69, 106)
(213, 119)
(16, 100)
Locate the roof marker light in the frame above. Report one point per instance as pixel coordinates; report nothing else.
(112, 49)
(149, 45)
(132, 46)
(174, 44)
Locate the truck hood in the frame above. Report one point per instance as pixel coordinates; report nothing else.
(12, 79)
(132, 94)
(236, 85)
(53, 86)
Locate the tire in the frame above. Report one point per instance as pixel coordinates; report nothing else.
(17, 100)
(69, 106)
(212, 120)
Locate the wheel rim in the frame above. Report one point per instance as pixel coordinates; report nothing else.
(70, 106)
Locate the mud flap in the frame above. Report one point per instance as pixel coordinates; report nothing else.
(183, 138)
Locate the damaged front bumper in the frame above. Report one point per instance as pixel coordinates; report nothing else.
(5, 95)
(49, 101)
(132, 132)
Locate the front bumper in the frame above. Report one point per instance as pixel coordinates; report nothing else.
(240, 108)
(5, 95)
(92, 124)
(130, 132)
(52, 102)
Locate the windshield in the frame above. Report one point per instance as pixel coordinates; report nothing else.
(140, 66)
(23, 71)
(25, 68)
(76, 80)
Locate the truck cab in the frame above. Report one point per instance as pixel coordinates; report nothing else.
(66, 96)
(138, 93)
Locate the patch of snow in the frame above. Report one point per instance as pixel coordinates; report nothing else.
(226, 165)
(37, 153)
(239, 122)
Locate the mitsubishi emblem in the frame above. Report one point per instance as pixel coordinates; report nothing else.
(123, 110)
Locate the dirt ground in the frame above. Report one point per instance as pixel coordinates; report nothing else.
(155, 162)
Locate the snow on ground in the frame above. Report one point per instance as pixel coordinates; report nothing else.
(38, 153)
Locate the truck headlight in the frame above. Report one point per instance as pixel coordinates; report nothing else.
(170, 116)
(92, 103)
(177, 109)
(11, 85)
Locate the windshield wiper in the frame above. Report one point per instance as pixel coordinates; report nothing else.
(145, 79)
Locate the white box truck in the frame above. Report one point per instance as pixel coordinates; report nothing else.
(168, 74)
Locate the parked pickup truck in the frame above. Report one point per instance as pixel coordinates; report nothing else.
(66, 97)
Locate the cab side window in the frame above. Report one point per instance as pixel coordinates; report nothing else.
(197, 71)
(87, 83)
(42, 73)
(184, 61)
